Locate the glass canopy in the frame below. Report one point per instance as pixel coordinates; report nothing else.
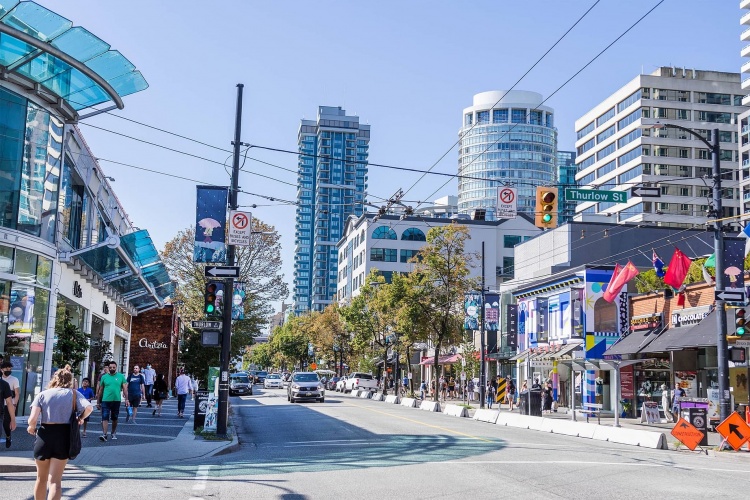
(44, 48)
(147, 288)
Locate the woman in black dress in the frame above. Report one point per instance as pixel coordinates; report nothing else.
(52, 444)
(160, 393)
(547, 394)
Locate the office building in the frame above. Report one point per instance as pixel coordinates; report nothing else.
(332, 177)
(566, 175)
(616, 152)
(507, 138)
(744, 118)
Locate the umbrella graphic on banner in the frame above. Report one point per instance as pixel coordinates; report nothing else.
(208, 226)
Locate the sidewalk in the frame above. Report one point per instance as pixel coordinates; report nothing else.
(137, 444)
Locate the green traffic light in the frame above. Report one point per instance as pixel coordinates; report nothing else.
(210, 308)
(547, 218)
(740, 331)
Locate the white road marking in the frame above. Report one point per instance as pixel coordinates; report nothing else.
(588, 462)
(200, 480)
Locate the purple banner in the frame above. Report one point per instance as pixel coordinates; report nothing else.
(491, 312)
(210, 225)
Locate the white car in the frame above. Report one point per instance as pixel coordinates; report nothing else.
(273, 381)
(341, 384)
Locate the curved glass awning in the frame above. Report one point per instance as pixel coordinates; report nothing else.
(132, 267)
(68, 66)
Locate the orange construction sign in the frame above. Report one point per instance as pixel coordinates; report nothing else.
(687, 434)
(734, 430)
(314, 366)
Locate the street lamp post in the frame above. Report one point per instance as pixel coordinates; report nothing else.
(716, 212)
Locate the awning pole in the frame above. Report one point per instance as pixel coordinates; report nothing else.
(617, 393)
(573, 391)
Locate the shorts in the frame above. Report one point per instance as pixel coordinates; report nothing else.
(52, 441)
(110, 408)
(134, 400)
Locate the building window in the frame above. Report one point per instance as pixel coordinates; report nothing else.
(628, 101)
(602, 136)
(605, 117)
(518, 116)
(383, 254)
(535, 117)
(413, 234)
(511, 240)
(406, 255)
(508, 266)
(499, 116)
(585, 130)
(483, 117)
(712, 98)
(467, 119)
(384, 233)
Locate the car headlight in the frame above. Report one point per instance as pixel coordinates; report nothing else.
(320, 387)
(295, 386)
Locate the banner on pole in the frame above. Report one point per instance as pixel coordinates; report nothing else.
(210, 225)
(491, 312)
(472, 304)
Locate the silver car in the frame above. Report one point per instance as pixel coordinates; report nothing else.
(305, 385)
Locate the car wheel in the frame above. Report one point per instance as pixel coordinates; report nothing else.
(322, 400)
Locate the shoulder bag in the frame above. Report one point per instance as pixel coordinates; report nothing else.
(75, 432)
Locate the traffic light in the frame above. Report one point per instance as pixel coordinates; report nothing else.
(739, 322)
(212, 298)
(545, 212)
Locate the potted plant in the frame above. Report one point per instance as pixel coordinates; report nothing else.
(625, 404)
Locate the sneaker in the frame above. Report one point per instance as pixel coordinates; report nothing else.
(114, 437)
(83, 435)
(103, 438)
(154, 413)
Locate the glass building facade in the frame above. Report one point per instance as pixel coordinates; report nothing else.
(507, 138)
(566, 174)
(332, 180)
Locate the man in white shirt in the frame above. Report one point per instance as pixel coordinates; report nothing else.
(183, 386)
(149, 375)
(15, 387)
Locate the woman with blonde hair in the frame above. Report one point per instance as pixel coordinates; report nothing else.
(52, 445)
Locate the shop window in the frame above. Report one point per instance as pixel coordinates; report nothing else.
(605, 316)
(72, 202)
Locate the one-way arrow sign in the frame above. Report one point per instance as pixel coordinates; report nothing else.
(737, 296)
(222, 272)
(645, 192)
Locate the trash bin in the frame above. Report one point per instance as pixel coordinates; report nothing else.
(534, 396)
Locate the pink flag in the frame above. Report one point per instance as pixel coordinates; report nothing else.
(619, 280)
(677, 269)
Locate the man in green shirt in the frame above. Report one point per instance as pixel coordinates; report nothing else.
(108, 396)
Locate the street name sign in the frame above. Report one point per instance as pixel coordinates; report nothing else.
(208, 325)
(734, 430)
(240, 228)
(742, 343)
(222, 272)
(645, 192)
(574, 194)
(507, 202)
(687, 434)
(731, 296)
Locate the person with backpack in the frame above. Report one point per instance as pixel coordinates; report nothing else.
(510, 395)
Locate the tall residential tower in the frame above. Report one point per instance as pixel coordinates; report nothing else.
(507, 138)
(332, 179)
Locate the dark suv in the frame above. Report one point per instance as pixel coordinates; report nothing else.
(305, 385)
(239, 383)
(260, 377)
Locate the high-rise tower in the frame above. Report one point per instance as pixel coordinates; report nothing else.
(332, 179)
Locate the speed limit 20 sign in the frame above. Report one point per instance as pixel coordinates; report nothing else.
(507, 202)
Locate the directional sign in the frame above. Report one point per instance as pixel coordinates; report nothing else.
(734, 430)
(209, 325)
(507, 202)
(645, 192)
(581, 195)
(687, 434)
(737, 296)
(222, 271)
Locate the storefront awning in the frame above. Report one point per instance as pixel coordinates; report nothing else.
(131, 265)
(686, 337)
(521, 355)
(633, 343)
(548, 353)
(447, 359)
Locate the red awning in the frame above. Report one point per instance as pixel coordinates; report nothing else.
(446, 359)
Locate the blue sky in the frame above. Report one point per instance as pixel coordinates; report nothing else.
(406, 68)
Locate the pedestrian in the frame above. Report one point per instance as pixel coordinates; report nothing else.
(536, 384)
(452, 388)
(470, 387)
(136, 390)
(160, 393)
(88, 393)
(15, 388)
(510, 396)
(52, 444)
(422, 390)
(490, 395)
(677, 394)
(108, 396)
(665, 403)
(443, 388)
(547, 398)
(8, 409)
(194, 386)
(149, 375)
(183, 386)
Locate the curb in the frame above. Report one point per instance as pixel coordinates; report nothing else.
(229, 447)
(22, 465)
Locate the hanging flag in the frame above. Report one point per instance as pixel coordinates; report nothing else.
(681, 299)
(658, 264)
(710, 262)
(677, 269)
(746, 233)
(615, 273)
(614, 287)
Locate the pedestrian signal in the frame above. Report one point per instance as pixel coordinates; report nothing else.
(739, 322)
(545, 212)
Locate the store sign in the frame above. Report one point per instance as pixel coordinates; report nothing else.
(691, 316)
(646, 322)
(511, 323)
(627, 385)
(151, 345)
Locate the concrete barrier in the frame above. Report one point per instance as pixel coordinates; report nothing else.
(568, 427)
(430, 406)
(487, 415)
(456, 411)
(365, 394)
(376, 396)
(409, 402)
(355, 393)
(393, 399)
(634, 437)
(519, 421)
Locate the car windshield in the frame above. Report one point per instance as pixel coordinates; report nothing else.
(240, 378)
(273, 376)
(262, 374)
(306, 377)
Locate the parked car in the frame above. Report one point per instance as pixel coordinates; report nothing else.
(331, 384)
(341, 384)
(273, 381)
(305, 385)
(358, 380)
(239, 383)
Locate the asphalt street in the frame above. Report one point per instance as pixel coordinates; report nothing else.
(362, 449)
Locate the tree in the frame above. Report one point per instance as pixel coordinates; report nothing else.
(290, 341)
(439, 281)
(329, 334)
(72, 343)
(648, 281)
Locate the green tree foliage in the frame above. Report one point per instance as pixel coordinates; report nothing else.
(329, 335)
(648, 281)
(289, 342)
(72, 343)
(261, 355)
